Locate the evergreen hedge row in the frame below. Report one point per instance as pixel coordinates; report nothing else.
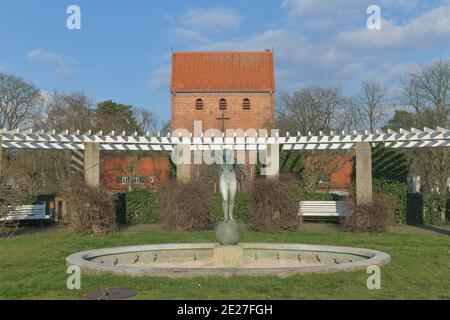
(414, 208)
(141, 206)
(137, 207)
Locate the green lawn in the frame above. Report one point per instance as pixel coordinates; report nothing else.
(32, 266)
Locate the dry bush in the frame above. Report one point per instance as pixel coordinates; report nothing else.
(91, 209)
(374, 217)
(186, 206)
(13, 192)
(8, 200)
(274, 204)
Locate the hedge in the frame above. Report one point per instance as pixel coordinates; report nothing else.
(399, 191)
(320, 196)
(414, 208)
(137, 207)
(433, 207)
(241, 206)
(141, 206)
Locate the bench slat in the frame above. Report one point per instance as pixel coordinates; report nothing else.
(323, 209)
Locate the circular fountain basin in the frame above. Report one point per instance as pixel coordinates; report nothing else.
(198, 259)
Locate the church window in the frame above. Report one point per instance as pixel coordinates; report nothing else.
(199, 104)
(246, 104)
(223, 104)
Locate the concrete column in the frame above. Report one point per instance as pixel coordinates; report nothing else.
(272, 162)
(183, 173)
(183, 163)
(92, 163)
(363, 172)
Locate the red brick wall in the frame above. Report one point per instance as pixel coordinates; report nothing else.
(260, 115)
(341, 176)
(118, 165)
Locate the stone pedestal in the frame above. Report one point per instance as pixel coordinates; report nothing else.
(228, 256)
(228, 233)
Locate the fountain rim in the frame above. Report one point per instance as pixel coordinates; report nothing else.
(79, 259)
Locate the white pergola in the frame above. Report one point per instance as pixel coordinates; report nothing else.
(90, 144)
(74, 140)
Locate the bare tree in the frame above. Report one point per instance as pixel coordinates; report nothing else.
(428, 93)
(146, 120)
(19, 101)
(67, 112)
(371, 105)
(312, 109)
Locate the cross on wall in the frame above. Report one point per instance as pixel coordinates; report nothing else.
(222, 119)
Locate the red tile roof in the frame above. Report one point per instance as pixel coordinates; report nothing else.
(222, 71)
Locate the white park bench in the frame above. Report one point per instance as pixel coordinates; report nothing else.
(323, 209)
(27, 213)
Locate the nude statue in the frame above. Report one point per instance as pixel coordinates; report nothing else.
(228, 183)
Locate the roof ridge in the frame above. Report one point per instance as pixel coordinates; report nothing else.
(222, 52)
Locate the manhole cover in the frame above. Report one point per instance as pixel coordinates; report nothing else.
(111, 294)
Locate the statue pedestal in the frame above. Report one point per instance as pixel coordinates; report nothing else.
(228, 256)
(228, 233)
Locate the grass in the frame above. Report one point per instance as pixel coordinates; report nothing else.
(32, 266)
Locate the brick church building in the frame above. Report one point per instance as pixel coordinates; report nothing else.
(223, 90)
(239, 85)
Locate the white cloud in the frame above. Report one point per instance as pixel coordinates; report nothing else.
(339, 57)
(161, 78)
(62, 66)
(186, 35)
(212, 20)
(432, 27)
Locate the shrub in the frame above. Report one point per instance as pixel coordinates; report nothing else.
(320, 196)
(447, 210)
(141, 206)
(8, 200)
(274, 204)
(186, 206)
(398, 190)
(91, 209)
(434, 207)
(121, 207)
(414, 208)
(373, 217)
(241, 207)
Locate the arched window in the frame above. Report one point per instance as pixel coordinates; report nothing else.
(222, 104)
(199, 104)
(246, 104)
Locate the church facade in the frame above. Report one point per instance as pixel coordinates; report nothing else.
(236, 86)
(222, 91)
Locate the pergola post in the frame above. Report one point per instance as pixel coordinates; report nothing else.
(183, 163)
(92, 163)
(363, 173)
(272, 162)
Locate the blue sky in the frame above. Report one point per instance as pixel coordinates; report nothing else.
(122, 51)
